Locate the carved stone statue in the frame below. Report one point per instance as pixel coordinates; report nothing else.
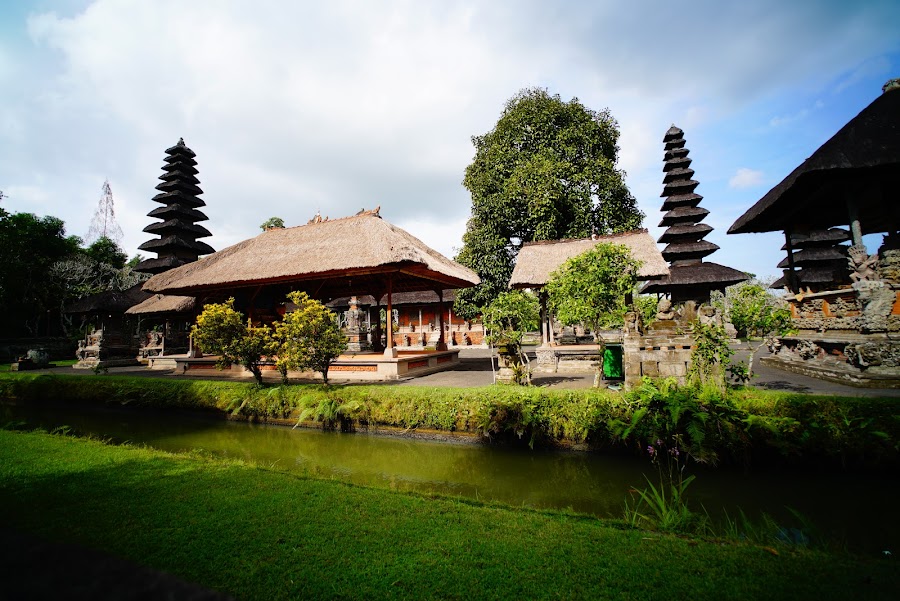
(709, 316)
(862, 265)
(633, 325)
(664, 311)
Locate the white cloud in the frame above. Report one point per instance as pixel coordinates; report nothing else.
(298, 107)
(746, 178)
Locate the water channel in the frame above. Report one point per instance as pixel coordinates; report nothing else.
(857, 509)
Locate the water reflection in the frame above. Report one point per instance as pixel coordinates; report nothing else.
(858, 508)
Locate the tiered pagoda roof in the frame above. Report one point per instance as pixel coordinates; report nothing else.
(820, 261)
(178, 231)
(690, 278)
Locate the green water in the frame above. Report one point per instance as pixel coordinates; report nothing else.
(856, 508)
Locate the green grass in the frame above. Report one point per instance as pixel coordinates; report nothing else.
(739, 426)
(4, 367)
(258, 534)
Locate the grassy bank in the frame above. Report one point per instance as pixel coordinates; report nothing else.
(258, 534)
(737, 426)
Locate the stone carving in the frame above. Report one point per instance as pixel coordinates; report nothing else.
(710, 316)
(814, 307)
(877, 299)
(633, 325)
(664, 311)
(862, 265)
(807, 350)
(840, 306)
(863, 355)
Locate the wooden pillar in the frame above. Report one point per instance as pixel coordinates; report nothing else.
(793, 284)
(545, 326)
(441, 343)
(389, 349)
(853, 213)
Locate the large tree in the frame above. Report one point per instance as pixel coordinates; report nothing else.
(547, 170)
(29, 247)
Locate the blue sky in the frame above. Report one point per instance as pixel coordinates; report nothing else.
(294, 107)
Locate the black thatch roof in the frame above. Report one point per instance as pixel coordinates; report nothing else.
(862, 159)
(109, 301)
(702, 276)
(681, 214)
(689, 277)
(815, 238)
(179, 193)
(178, 211)
(810, 256)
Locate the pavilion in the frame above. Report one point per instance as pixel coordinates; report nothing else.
(848, 327)
(538, 260)
(362, 255)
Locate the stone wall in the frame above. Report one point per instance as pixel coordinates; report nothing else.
(661, 352)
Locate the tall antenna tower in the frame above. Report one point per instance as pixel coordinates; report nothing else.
(104, 222)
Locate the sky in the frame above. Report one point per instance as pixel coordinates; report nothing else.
(295, 108)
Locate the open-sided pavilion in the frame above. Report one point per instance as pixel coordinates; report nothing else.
(538, 260)
(327, 259)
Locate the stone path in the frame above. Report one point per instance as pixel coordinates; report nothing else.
(475, 370)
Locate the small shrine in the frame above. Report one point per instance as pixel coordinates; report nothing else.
(663, 349)
(108, 340)
(844, 301)
(178, 231)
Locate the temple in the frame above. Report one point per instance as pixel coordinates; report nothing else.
(847, 315)
(690, 278)
(178, 231)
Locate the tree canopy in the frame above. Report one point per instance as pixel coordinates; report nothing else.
(546, 171)
(29, 247)
(590, 289)
(272, 223)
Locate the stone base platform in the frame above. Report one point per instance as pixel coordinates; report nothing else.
(373, 367)
(94, 363)
(567, 358)
(840, 374)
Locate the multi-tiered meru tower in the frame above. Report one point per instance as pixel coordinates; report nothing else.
(690, 278)
(178, 231)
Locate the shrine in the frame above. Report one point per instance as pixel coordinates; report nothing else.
(416, 318)
(664, 347)
(108, 341)
(844, 301)
(559, 350)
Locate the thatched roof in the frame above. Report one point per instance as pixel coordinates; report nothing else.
(332, 258)
(702, 276)
(424, 297)
(164, 303)
(108, 301)
(815, 238)
(862, 159)
(537, 260)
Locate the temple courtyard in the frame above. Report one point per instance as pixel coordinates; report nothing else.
(474, 369)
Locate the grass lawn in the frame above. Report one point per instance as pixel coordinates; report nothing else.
(259, 534)
(4, 367)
